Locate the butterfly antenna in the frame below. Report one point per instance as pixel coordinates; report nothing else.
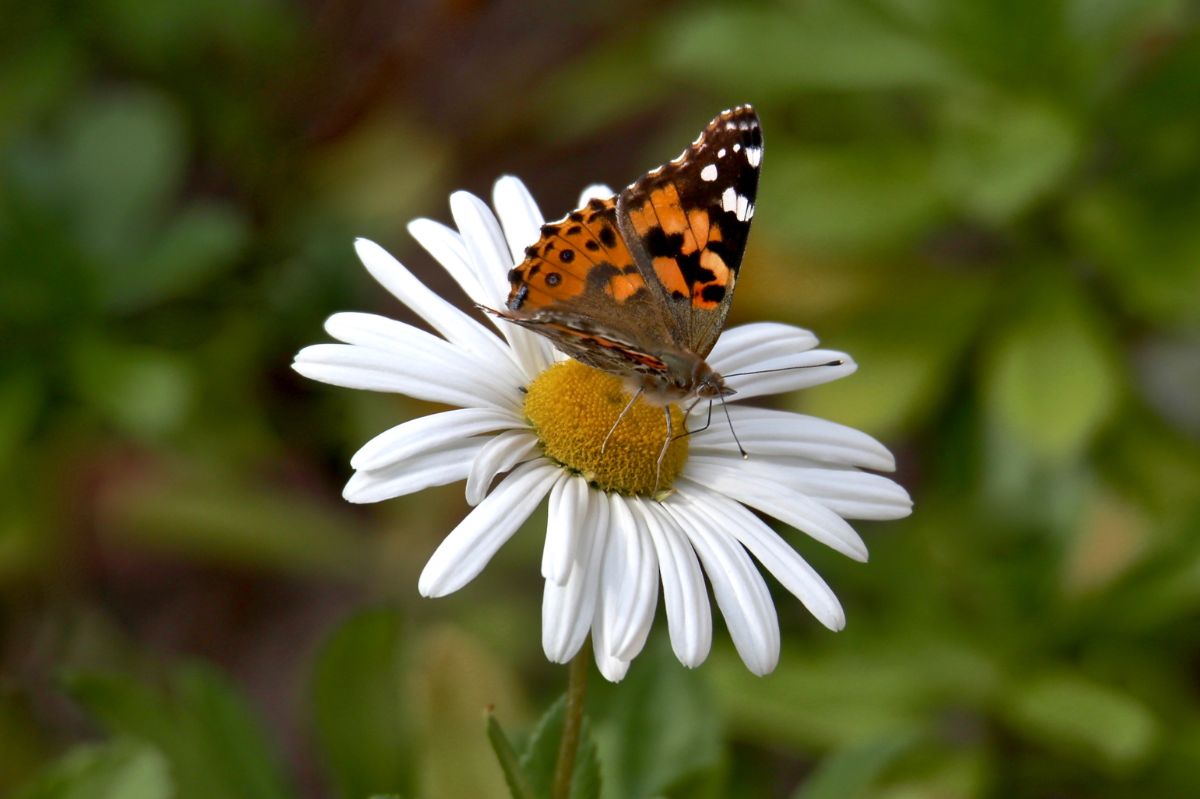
(838, 362)
(620, 416)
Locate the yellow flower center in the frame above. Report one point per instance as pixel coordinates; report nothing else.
(573, 409)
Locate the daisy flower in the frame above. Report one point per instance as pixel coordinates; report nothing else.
(528, 424)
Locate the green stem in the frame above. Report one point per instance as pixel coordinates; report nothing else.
(568, 746)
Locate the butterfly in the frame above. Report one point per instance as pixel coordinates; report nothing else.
(639, 284)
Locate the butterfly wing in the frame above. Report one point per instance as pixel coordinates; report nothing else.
(580, 286)
(686, 225)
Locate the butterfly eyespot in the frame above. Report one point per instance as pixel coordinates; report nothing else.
(566, 256)
(553, 279)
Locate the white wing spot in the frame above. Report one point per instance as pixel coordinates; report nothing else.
(743, 206)
(729, 200)
(709, 173)
(737, 148)
(754, 155)
(721, 153)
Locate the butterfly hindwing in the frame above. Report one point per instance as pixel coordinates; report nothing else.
(687, 222)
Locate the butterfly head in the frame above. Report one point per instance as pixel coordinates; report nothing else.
(689, 375)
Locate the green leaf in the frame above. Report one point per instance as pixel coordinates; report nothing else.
(119, 770)
(199, 243)
(999, 155)
(1051, 379)
(643, 753)
(541, 751)
(213, 517)
(844, 198)
(208, 736)
(850, 771)
(514, 775)
(362, 722)
(825, 44)
(143, 391)
(540, 757)
(1068, 711)
(124, 158)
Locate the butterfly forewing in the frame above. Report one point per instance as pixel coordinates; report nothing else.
(687, 223)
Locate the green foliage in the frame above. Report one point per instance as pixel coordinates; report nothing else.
(117, 770)
(210, 740)
(990, 205)
(358, 706)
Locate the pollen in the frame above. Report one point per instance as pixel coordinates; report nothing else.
(573, 408)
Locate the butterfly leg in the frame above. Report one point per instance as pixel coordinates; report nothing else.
(662, 453)
(620, 416)
(707, 422)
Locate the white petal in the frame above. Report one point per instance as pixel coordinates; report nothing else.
(568, 609)
(568, 504)
(519, 215)
(791, 373)
(610, 667)
(447, 247)
(501, 453)
(778, 500)
(492, 261)
(764, 431)
(373, 370)
(740, 348)
(628, 584)
(466, 551)
(689, 619)
(430, 432)
(448, 465)
(452, 323)
(739, 589)
(849, 493)
(775, 554)
(595, 191)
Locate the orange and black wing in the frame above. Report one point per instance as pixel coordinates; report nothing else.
(580, 286)
(686, 225)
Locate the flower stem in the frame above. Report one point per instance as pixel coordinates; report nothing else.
(568, 746)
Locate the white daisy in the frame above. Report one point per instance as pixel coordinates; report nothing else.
(529, 424)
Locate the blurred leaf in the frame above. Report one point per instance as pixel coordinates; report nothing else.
(822, 44)
(848, 772)
(145, 392)
(456, 682)
(20, 403)
(643, 756)
(362, 723)
(380, 174)
(907, 345)
(34, 78)
(844, 697)
(1068, 711)
(540, 757)
(999, 156)
(120, 770)
(213, 744)
(506, 755)
(1151, 255)
(124, 152)
(1050, 378)
(214, 517)
(848, 197)
(200, 242)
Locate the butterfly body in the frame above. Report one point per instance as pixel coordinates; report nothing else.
(639, 284)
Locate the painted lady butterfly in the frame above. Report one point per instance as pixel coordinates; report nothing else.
(639, 284)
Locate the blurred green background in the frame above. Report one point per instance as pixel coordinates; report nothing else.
(993, 205)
